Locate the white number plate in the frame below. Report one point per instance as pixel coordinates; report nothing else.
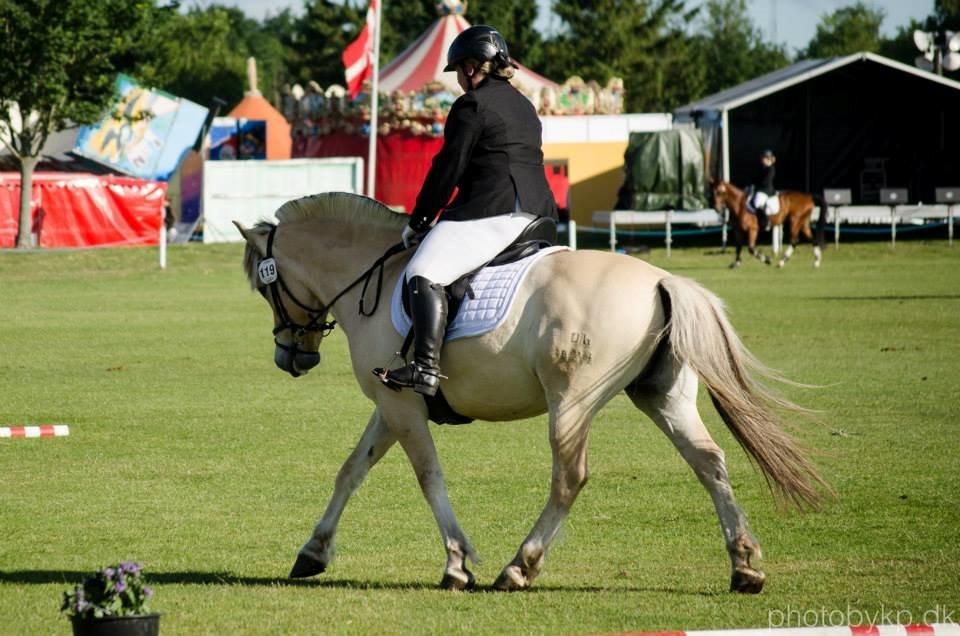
(267, 271)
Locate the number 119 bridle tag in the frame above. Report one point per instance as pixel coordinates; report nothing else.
(267, 270)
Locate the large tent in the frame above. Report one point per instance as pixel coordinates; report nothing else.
(423, 61)
(860, 122)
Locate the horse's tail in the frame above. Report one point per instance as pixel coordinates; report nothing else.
(821, 219)
(701, 336)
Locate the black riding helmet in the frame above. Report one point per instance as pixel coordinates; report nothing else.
(481, 43)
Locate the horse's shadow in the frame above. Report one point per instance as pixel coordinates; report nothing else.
(72, 577)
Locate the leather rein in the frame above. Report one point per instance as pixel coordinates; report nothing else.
(269, 274)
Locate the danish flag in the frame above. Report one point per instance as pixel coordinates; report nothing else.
(358, 56)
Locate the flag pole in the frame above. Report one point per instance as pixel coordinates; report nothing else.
(374, 105)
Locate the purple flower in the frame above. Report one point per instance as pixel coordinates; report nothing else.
(147, 592)
(81, 606)
(120, 587)
(109, 572)
(130, 567)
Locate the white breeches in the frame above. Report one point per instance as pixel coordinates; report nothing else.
(768, 203)
(454, 248)
(760, 200)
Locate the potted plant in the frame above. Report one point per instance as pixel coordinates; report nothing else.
(112, 602)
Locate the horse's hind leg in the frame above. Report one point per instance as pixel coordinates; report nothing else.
(817, 252)
(569, 425)
(670, 400)
(318, 552)
(795, 228)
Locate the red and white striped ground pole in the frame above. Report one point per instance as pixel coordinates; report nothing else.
(934, 629)
(45, 430)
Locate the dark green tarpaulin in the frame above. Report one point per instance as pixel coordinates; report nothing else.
(664, 171)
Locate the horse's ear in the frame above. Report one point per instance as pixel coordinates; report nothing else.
(255, 239)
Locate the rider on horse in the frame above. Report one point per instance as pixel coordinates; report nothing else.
(492, 154)
(764, 189)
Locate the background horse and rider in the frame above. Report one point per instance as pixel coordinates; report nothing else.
(582, 327)
(795, 211)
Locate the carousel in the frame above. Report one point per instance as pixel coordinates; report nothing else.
(415, 96)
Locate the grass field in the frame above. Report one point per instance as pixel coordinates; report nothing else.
(192, 454)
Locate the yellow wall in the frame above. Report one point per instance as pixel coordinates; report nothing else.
(595, 171)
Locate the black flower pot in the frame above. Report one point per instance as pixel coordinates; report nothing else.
(142, 625)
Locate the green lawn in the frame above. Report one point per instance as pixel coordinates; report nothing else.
(192, 454)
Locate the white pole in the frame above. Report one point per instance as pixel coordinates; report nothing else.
(374, 106)
(669, 233)
(950, 226)
(163, 239)
(725, 140)
(572, 234)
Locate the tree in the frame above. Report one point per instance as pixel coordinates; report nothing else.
(632, 39)
(847, 30)
(731, 48)
(59, 62)
(945, 17)
(324, 32)
(403, 22)
(514, 19)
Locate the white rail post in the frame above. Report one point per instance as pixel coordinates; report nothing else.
(163, 240)
(669, 239)
(572, 234)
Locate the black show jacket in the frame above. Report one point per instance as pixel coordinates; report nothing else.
(492, 153)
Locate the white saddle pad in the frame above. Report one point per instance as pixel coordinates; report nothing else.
(494, 289)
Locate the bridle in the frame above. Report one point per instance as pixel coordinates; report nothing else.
(269, 275)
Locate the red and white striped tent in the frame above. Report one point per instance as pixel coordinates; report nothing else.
(423, 62)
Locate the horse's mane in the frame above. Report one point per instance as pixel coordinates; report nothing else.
(353, 209)
(343, 206)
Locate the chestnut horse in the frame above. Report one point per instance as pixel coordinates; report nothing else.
(583, 327)
(796, 208)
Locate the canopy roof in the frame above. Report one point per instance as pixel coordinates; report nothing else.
(861, 122)
(783, 78)
(423, 61)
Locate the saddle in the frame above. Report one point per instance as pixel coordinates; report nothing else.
(539, 234)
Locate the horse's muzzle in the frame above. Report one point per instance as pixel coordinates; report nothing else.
(295, 362)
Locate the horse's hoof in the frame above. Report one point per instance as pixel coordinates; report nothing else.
(780, 264)
(747, 581)
(456, 584)
(735, 264)
(306, 566)
(511, 580)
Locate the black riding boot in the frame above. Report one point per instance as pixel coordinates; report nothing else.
(763, 222)
(428, 308)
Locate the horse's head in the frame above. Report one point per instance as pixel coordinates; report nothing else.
(721, 193)
(298, 329)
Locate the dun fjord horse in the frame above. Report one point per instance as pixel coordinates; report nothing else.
(585, 326)
(796, 209)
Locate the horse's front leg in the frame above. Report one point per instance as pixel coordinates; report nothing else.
(406, 414)
(752, 245)
(318, 552)
(738, 238)
(569, 425)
